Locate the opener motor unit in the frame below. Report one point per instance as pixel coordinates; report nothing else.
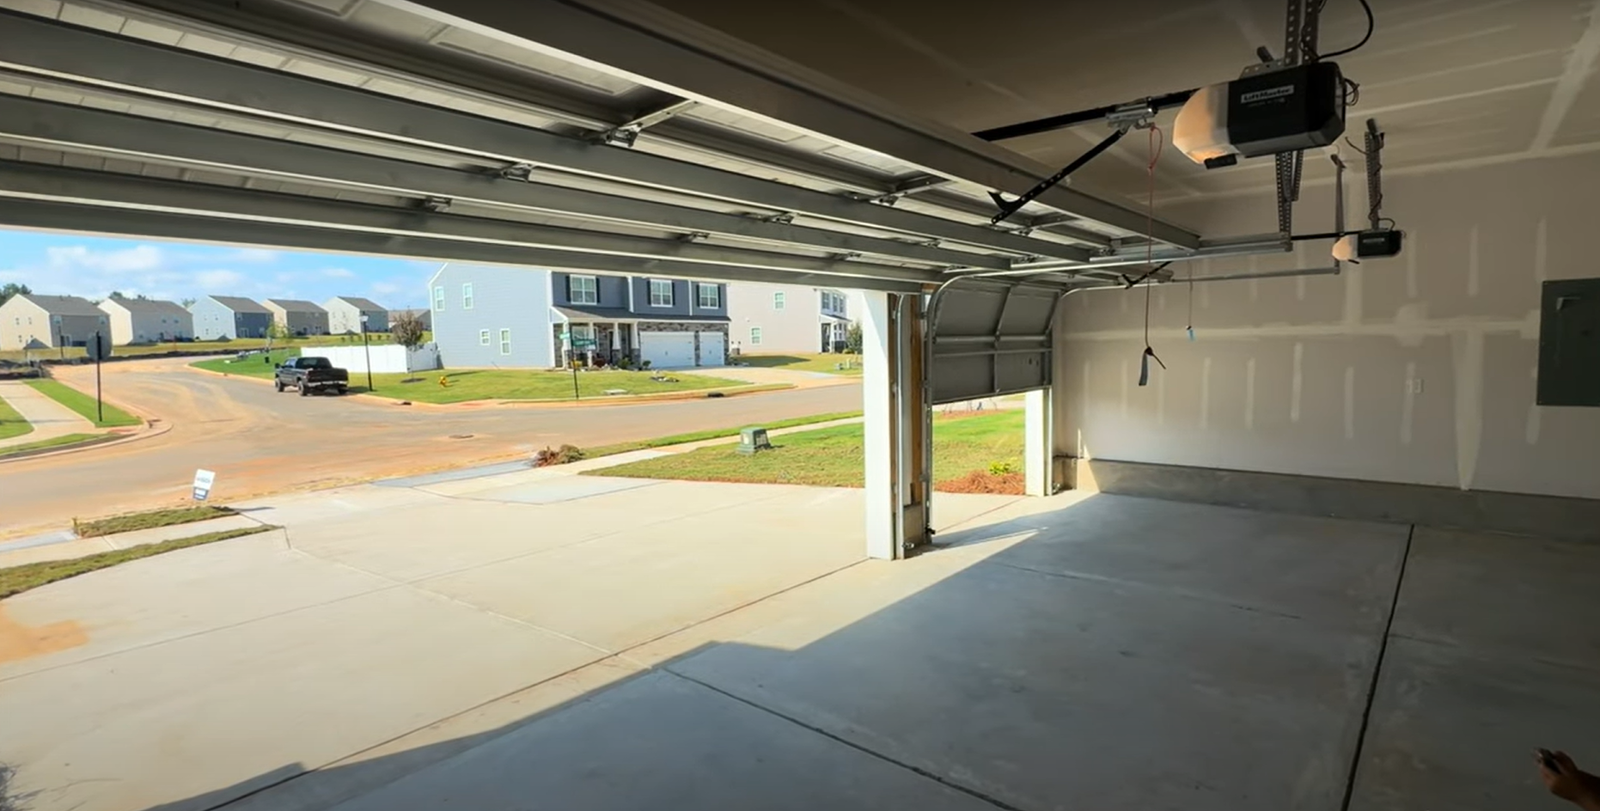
(1261, 114)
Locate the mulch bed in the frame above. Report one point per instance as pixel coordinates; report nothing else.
(980, 481)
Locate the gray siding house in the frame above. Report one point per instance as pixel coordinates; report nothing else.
(218, 317)
(599, 320)
(790, 317)
(29, 320)
(298, 317)
(344, 315)
(144, 321)
(486, 317)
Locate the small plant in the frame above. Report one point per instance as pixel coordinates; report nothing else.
(1001, 468)
(645, 365)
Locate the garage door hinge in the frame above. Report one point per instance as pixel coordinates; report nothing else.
(518, 171)
(437, 204)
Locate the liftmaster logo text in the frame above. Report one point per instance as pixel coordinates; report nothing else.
(1269, 93)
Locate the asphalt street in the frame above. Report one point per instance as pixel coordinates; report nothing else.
(259, 441)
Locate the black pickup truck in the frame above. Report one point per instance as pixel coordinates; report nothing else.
(307, 375)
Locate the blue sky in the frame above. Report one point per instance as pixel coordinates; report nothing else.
(92, 267)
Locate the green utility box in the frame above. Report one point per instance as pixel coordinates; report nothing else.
(752, 440)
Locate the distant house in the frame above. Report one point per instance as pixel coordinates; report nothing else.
(144, 321)
(425, 316)
(218, 317)
(298, 317)
(29, 320)
(344, 315)
(789, 317)
(487, 316)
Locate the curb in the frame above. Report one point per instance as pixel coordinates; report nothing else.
(89, 445)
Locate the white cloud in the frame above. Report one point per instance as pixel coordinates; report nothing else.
(254, 256)
(338, 273)
(219, 281)
(127, 260)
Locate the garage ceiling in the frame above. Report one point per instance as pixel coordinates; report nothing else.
(1450, 80)
(384, 126)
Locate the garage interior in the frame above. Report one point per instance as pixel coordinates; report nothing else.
(1300, 539)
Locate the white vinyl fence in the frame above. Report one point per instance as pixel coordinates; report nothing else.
(385, 357)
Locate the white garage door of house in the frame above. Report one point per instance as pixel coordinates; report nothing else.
(667, 350)
(713, 349)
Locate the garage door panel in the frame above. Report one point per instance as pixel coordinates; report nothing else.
(713, 349)
(667, 349)
(990, 341)
(964, 378)
(1020, 372)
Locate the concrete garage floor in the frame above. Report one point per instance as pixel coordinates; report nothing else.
(536, 642)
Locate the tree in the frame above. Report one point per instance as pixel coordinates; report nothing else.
(187, 303)
(852, 339)
(405, 328)
(13, 289)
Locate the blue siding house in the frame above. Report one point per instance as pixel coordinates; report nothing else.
(489, 316)
(218, 317)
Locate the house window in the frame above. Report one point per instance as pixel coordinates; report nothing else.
(483, 337)
(710, 296)
(778, 301)
(755, 335)
(583, 290)
(505, 342)
(466, 296)
(660, 293)
(438, 298)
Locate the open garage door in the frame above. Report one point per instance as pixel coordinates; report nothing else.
(990, 340)
(666, 350)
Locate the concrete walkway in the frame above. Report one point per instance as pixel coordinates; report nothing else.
(59, 546)
(50, 419)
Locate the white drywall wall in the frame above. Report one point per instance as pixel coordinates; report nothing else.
(1419, 369)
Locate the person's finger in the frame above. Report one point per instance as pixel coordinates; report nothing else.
(1564, 760)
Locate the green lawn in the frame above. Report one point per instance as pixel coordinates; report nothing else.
(715, 433)
(84, 404)
(481, 384)
(18, 579)
(804, 362)
(148, 520)
(58, 442)
(252, 366)
(832, 457)
(524, 384)
(11, 423)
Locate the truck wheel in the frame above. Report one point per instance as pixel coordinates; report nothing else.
(343, 390)
(305, 391)
(277, 385)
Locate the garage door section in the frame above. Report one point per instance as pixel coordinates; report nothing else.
(713, 349)
(667, 350)
(991, 340)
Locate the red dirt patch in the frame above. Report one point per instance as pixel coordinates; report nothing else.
(980, 481)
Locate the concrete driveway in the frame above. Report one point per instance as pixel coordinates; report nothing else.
(538, 640)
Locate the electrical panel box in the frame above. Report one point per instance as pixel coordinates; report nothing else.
(1569, 343)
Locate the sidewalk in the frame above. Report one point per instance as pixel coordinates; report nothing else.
(60, 546)
(50, 419)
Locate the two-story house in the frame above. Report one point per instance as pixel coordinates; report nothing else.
(228, 317)
(790, 318)
(487, 316)
(33, 321)
(144, 321)
(297, 317)
(348, 314)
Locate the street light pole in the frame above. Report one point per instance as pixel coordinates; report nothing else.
(367, 346)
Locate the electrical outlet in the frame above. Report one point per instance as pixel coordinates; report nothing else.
(1416, 385)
